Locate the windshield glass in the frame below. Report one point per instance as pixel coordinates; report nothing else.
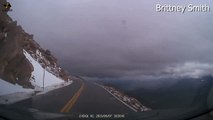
(106, 59)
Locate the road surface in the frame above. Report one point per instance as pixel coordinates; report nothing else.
(81, 97)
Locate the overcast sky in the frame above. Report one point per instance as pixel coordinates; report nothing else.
(120, 38)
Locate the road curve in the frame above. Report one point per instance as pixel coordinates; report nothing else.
(81, 97)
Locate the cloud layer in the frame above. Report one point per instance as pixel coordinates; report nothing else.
(194, 70)
(120, 38)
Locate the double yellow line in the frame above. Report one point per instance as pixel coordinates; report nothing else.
(72, 101)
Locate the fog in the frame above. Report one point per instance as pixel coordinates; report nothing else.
(120, 38)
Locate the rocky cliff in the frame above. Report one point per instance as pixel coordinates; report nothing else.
(14, 67)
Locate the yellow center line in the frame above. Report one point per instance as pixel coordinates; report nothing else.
(72, 101)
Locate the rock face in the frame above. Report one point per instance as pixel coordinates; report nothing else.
(14, 67)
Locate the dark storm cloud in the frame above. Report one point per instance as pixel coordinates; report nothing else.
(120, 38)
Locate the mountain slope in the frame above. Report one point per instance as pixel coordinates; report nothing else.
(22, 60)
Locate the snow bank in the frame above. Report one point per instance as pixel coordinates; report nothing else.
(15, 97)
(53, 87)
(22, 93)
(8, 88)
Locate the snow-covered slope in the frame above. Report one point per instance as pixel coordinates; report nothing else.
(10, 93)
(37, 74)
(8, 88)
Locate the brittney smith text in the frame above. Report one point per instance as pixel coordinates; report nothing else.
(182, 8)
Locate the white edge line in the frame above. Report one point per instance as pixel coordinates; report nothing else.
(118, 98)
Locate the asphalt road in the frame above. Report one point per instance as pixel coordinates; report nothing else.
(81, 97)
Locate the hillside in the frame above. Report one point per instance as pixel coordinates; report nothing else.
(22, 60)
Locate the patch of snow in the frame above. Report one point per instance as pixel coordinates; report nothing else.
(130, 102)
(8, 88)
